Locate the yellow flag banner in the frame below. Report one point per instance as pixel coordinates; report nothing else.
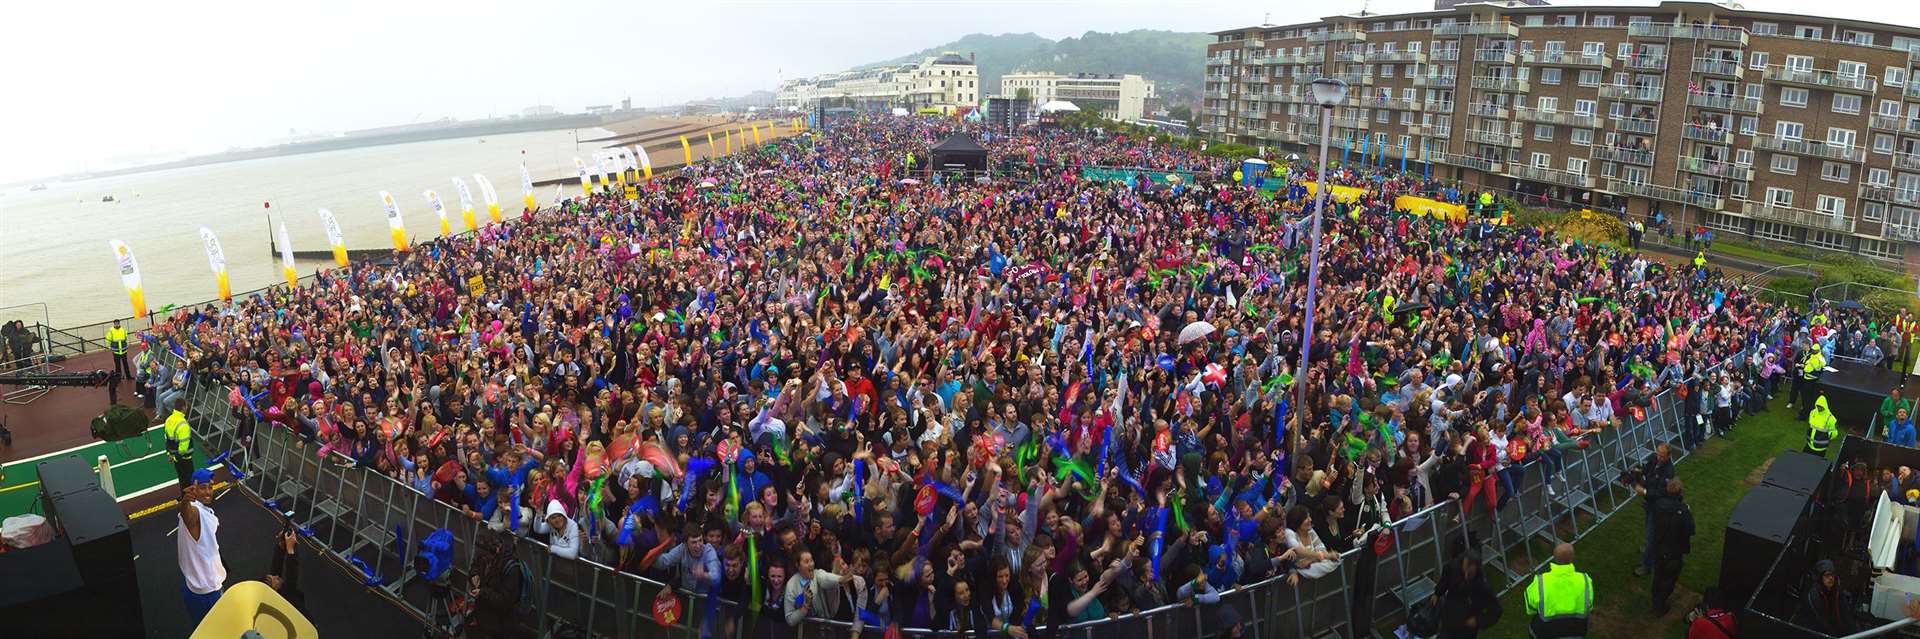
(756, 133)
(526, 188)
(433, 202)
(1343, 194)
(729, 141)
(586, 179)
(712, 149)
(686, 150)
(286, 258)
(794, 127)
(395, 225)
(490, 196)
(129, 276)
(646, 163)
(1422, 207)
(335, 239)
(217, 260)
(466, 204)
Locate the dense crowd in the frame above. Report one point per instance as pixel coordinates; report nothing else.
(796, 381)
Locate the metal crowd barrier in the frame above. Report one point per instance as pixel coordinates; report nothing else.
(374, 524)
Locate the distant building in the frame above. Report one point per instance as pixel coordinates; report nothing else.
(1445, 5)
(1115, 97)
(599, 109)
(943, 83)
(541, 111)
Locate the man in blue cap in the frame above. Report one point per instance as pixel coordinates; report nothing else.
(199, 547)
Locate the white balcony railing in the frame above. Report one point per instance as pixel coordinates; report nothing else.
(1809, 148)
(1732, 35)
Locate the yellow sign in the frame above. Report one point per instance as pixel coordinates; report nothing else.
(1422, 207)
(632, 193)
(477, 286)
(1344, 194)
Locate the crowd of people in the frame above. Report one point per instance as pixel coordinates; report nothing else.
(797, 380)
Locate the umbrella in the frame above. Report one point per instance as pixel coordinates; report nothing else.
(909, 181)
(1848, 304)
(1194, 331)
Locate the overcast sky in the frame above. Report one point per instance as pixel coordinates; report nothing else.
(88, 81)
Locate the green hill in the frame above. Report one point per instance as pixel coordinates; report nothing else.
(1174, 60)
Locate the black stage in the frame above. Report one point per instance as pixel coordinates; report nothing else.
(1854, 392)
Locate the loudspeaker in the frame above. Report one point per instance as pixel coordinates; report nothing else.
(1756, 533)
(1797, 471)
(97, 529)
(63, 475)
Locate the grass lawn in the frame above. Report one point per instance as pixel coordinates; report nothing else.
(1716, 477)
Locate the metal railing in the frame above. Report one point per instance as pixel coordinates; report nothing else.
(1629, 92)
(1504, 27)
(1570, 59)
(1735, 35)
(1726, 103)
(1813, 148)
(1643, 126)
(1822, 79)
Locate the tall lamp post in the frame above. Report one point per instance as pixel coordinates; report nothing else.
(1328, 93)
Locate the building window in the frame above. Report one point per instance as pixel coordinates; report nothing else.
(1764, 28)
(1871, 211)
(1800, 62)
(1585, 107)
(1577, 166)
(1881, 250)
(1542, 161)
(1550, 76)
(1748, 124)
(1836, 172)
(1581, 137)
(1548, 104)
(1543, 132)
(1879, 177)
(1569, 20)
(1827, 240)
(1757, 60)
(1841, 137)
(1589, 78)
(1743, 157)
(1848, 104)
(1774, 231)
(1834, 206)
(1860, 37)
(1882, 143)
(1804, 32)
(1890, 108)
(1603, 21)
(1894, 76)
(1737, 190)
(1793, 97)
(1536, 21)
(1786, 164)
(1788, 130)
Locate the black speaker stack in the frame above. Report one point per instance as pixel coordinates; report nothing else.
(83, 583)
(1765, 518)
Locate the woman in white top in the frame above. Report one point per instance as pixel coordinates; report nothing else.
(199, 548)
(1310, 557)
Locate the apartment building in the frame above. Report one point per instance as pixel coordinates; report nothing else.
(1781, 127)
(1114, 96)
(943, 83)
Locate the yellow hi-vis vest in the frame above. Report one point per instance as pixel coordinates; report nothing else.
(1824, 426)
(179, 436)
(1815, 363)
(117, 340)
(1558, 601)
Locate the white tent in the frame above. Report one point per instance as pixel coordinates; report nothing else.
(1058, 105)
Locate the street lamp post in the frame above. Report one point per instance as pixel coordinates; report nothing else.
(1328, 93)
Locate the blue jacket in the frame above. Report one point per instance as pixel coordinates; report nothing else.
(1900, 432)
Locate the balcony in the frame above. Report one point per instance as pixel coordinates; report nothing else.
(1355, 79)
(1496, 138)
(1488, 111)
(1337, 36)
(1430, 130)
(1906, 161)
(1726, 103)
(1436, 81)
(1902, 233)
(1219, 77)
(1295, 58)
(1716, 168)
(1561, 118)
(1509, 85)
(1254, 44)
(1797, 217)
(1218, 94)
(1822, 79)
(1647, 62)
(1719, 68)
(1390, 57)
(1630, 93)
(1440, 106)
(1350, 56)
(1352, 122)
(1730, 35)
(1564, 59)
(1445, 55)
(1885, 122)
(1457, 29)
(1622, 154)
(1641, 126)
(1213, 111)
(1913, 90)
(1381, 102)
(1551, 176)
(1666, 193)
(1468, 161)
(1287, 97)
(1777, 144)
(1884, 193)
(1495, 56)
(1708, 134)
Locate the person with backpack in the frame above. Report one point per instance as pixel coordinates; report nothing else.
(1673, 539)
(500, 590)
(1711, 619)
(1465, 603)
